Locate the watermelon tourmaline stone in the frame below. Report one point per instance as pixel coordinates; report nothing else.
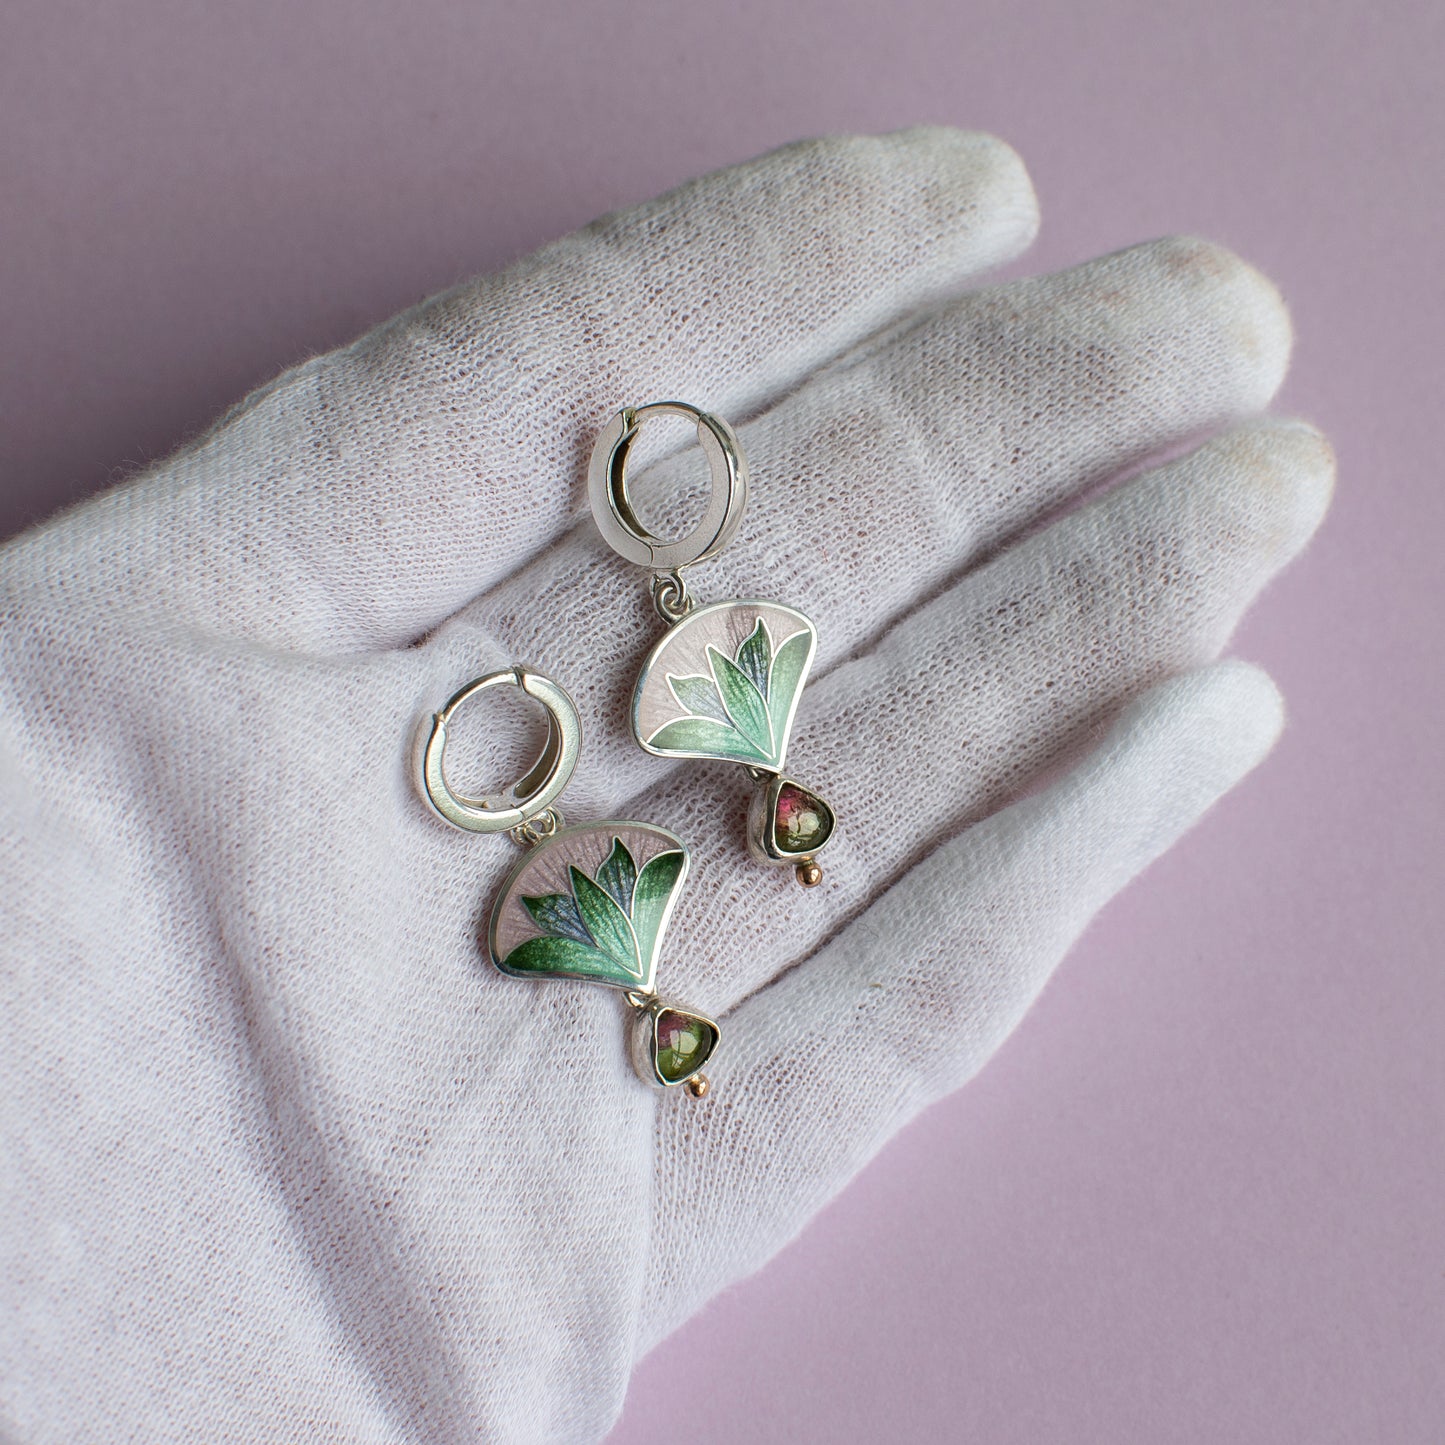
(684, 1044)
(802, 821)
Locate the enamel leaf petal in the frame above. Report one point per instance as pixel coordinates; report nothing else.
(755, 657)
(617, 875)
(657, 887)
(702, 737)
(606, 922)
(565, 958)
(556, 913)
(699, 695)
(745, 705)
(790, 669)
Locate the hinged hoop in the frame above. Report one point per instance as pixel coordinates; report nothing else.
(545, 779)
(617, 518)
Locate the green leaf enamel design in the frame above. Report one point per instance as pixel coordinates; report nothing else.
(618, 876)
(556, 913)
(606, 922)
(790, 666)
(607, 929)
(699, 695)
(746, 709)
(712, 739)
(566, 958)
(743, 712)
(755, 657)
(652, 900)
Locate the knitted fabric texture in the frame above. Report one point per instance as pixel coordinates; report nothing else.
(285, 1159)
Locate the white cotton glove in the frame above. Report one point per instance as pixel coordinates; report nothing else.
(285, 1158)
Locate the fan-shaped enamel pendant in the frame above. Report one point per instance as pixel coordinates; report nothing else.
(589, 903)
(724, 681)
(592, 903)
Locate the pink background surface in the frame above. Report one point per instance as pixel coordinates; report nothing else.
(1198, 1197)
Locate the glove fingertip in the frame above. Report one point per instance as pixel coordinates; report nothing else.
(998, 180)
(1173, 754)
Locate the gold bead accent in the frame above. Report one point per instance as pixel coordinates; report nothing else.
(808, 873)
(697, 1086)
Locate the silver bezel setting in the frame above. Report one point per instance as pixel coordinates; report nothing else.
(643, 1041)
(762, 813)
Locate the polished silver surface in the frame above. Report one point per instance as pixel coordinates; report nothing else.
(612, 506)
(531, 798)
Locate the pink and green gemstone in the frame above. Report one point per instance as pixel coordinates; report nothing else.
(682, 1044)
(802, 821)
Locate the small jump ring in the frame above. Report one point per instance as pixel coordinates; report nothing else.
(670, 596)
(538, 829)
(617, 518)
(534, 794)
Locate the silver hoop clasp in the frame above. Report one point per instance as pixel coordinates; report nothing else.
(545, 779)
(612, 507)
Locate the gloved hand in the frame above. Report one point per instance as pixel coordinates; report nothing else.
(285, 1158)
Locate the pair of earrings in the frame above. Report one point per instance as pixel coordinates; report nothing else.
(592, 902)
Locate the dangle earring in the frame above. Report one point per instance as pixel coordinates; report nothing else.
(723, 682)
(589, 902)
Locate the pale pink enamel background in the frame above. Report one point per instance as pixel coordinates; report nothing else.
(1200, 1196)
